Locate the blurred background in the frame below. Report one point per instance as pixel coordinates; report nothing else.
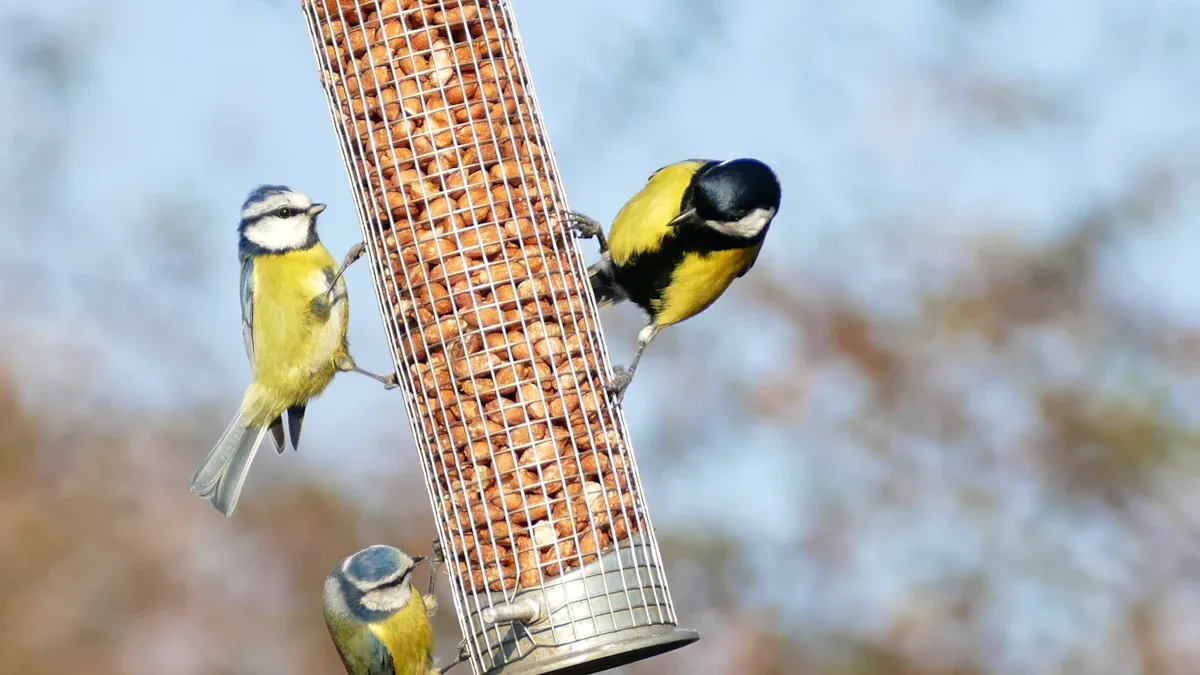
(947, 426)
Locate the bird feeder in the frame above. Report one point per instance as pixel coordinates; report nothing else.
(552, 558)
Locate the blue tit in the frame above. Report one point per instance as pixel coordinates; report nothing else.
(377, 619)
(678, 243)
(294, 319)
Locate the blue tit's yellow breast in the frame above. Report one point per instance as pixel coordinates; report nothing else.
(698, 281)
(642, 223)
(296, 340)
(408, 636)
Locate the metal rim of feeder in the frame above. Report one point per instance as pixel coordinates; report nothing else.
(601, 614)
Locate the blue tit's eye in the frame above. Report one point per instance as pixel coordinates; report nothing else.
(287, 212)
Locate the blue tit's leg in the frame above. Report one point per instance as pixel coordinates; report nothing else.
(586, 228)
(622, 377)
(356, 251)
(347, 365)
(436, 557)
(464, 653)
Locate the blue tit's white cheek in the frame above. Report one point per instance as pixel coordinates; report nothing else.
(390, 599)
(279, 234)
(748, 227)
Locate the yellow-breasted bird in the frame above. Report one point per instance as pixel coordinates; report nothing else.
(680, 241)
(294, 319)
(377, 619)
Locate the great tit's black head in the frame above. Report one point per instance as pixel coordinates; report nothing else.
(276, 218)
(729, 191)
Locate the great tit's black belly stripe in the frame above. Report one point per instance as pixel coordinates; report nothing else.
(645, 276)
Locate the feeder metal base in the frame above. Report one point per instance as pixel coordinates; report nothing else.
(609, 613)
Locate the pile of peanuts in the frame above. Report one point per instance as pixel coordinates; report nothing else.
(493, 330)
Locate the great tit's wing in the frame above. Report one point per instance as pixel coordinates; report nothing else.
(247, 293)
(646, 219)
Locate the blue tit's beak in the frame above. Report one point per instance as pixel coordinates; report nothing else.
(315, 209)
(417, 558)
(690, 213)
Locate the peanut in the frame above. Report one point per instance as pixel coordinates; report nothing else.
(496, 344)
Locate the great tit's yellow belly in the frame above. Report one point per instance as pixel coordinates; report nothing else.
(408, 636)
(698, 281)
(297, 341)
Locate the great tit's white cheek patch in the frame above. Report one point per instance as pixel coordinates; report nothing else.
(748, 227)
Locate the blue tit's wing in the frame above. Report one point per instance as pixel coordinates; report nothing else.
(247, 292)
(363, 654)
(381, 658)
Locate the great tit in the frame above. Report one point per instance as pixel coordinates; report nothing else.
(680, 242)
(294, 320)
(377, 619)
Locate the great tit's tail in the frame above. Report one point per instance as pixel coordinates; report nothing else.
(604, 283)
(223, 472)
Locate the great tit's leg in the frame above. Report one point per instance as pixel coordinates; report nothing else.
(587, 228)
(347, 365)
(622, 377)
(356, 251)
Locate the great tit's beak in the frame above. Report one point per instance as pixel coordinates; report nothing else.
(686, 215)
(315, 209)
(417, 558)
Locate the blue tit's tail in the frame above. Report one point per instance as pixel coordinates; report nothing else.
(223, 472)
(603, 278)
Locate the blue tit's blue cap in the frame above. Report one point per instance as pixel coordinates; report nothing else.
(262, 192)
(374, 563)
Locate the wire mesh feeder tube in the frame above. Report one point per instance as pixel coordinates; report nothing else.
(553, 563)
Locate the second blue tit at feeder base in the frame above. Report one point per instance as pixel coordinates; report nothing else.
(678, 243)
(294, 319)
(377, 619)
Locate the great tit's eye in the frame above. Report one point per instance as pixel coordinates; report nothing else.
(287, 212)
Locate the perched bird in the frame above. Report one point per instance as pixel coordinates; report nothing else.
(680, 242)
(294, 320)
(377, 619)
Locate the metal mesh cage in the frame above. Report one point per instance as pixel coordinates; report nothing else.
(552, 557)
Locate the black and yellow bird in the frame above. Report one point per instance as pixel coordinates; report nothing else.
(680, 242)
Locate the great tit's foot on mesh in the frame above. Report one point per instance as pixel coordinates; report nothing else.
(390, 382)
(619, 383)
(586, 228)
